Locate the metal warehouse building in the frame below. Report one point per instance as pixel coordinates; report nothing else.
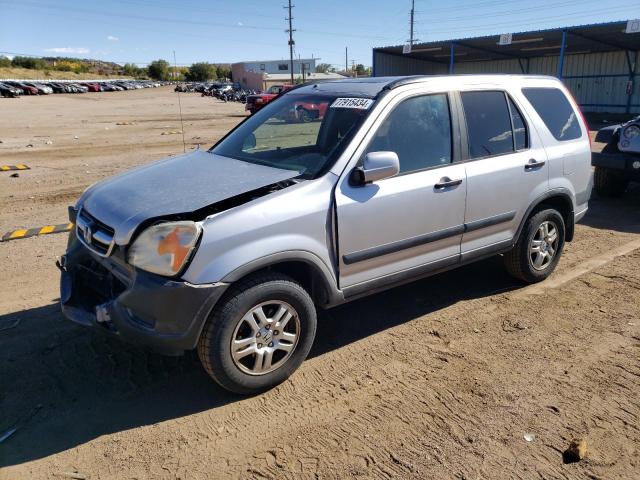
(598, 63)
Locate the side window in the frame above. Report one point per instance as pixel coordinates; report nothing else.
(556, 112)
(488, 123)
(520, 133)
(419, 131)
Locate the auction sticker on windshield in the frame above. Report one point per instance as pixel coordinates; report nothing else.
(361, 103)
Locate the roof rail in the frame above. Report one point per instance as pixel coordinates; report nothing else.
(405, 81)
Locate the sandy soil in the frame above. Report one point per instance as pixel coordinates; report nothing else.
(442, 378)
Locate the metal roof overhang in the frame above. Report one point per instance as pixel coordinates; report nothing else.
(604, 37)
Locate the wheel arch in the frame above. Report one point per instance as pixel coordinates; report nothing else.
(558, 199)
(304, 267)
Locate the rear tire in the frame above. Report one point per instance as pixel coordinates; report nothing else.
(609, 183)
(259, 333)
(538, 250)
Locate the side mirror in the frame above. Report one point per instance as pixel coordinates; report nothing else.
(249, 142)
(376, 166)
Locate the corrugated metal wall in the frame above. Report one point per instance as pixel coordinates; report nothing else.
(386, 65)
(595, 93)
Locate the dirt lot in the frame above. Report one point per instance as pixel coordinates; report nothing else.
(442, 378)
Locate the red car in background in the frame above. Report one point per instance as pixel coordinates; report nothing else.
(302, 112)
(93, 87)
(259, 100)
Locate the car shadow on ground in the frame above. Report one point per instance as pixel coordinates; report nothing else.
(63, 385)
(621, 214)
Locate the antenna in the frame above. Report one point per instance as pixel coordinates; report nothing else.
(175, 66)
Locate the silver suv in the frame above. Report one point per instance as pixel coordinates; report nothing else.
(231, 250)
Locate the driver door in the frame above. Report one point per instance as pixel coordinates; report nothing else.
(401, 227)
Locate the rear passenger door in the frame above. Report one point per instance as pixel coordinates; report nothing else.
(506, 170)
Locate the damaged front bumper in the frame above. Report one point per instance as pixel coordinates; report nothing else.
(139, 307)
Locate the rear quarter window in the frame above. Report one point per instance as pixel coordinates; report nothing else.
(556, 112)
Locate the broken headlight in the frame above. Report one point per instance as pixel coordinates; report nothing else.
(164, 248)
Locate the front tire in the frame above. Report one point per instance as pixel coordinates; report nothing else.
(539, 247)
(259, 334)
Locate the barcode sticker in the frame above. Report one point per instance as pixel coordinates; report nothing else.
(360, 103)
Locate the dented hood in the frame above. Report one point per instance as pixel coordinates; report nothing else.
(176, 185)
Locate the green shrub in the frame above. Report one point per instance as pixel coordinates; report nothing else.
(159, 70)
(201, 72)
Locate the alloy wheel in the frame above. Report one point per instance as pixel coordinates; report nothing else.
(543, 246)
(265, 337)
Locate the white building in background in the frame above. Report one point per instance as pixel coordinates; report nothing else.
(276, 66)
(262, 74)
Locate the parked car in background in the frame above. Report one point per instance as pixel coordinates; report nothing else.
(27, 89)
(92, 87)
(30, 87)
(42, 89)
(232, 250)
(57, 87)
(80, 88)
(619, 162)
(10, 91)
(259, 100)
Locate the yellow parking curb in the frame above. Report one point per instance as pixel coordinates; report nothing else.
(8, 168)
(32, 232)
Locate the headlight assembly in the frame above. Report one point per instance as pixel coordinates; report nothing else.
(164, 248)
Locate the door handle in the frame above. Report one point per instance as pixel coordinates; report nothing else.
(447, 182)
(533, 164)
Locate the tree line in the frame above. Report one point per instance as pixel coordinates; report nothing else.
(197, 72)
(156, 70)
(359, 69)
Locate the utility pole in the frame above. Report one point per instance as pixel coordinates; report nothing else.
(291, 42)
(411, 24)
(346, 61)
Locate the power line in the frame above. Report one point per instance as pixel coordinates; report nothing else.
(173, 21)
(474, 5)
(555, 5)
(531, 21)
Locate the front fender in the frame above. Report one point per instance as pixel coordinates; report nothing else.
(296, 219)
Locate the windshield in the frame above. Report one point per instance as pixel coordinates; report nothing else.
(296, 132)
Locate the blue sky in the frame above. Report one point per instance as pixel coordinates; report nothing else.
(139, 31)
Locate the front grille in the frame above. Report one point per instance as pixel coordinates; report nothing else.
(95, 285)
(97, 236)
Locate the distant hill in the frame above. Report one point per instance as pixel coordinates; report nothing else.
(69, 67)
(32, 74)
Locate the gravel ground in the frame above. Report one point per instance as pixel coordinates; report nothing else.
(442, 378)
